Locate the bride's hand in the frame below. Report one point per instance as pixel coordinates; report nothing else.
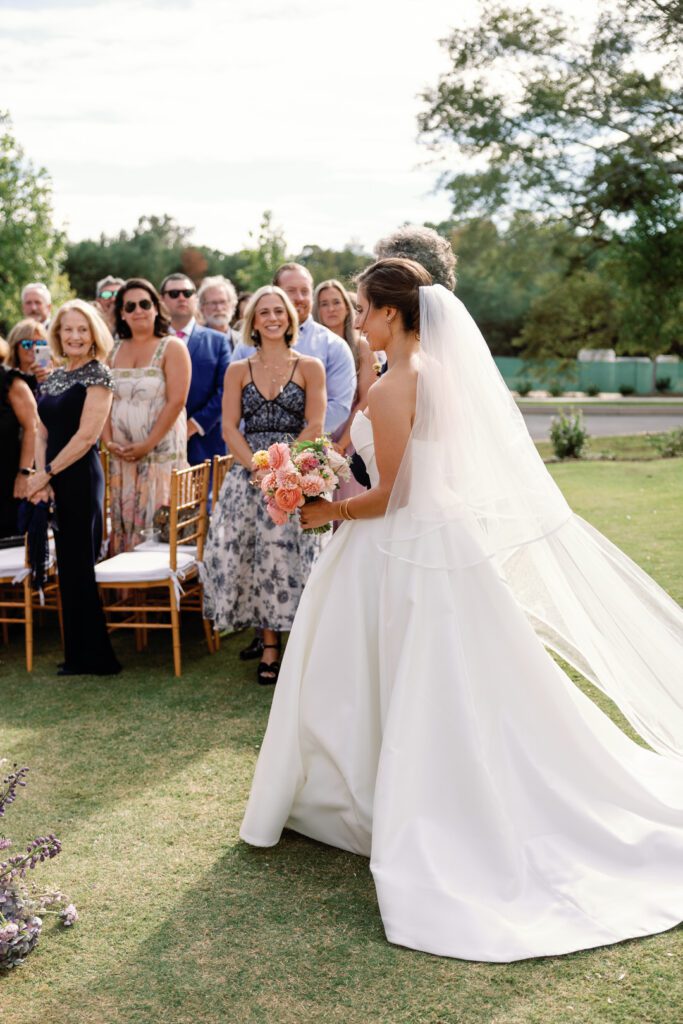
(316, 513)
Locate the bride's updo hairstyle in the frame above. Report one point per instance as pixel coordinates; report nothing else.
(396, 282)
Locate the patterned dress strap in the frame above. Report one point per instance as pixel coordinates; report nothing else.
(112, 357)
(160, 349)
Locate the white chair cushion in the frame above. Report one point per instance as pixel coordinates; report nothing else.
(13, 560)
(158, 545)
(141, 566)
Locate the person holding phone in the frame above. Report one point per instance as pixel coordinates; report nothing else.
(30, 353)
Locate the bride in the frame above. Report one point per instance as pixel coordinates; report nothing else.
(419, 718)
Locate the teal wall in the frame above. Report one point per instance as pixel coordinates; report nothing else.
(605, 376)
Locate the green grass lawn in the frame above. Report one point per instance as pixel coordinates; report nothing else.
(145, 777)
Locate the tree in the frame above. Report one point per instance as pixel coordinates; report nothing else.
(502, 270)
(31, 248)
(261, 261)
(564, 128)
(342, 264)
(152, 250)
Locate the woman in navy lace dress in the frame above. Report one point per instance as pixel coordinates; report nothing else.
(73, 407)
(255, 571)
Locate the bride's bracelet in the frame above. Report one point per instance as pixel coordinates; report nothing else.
(344, 510)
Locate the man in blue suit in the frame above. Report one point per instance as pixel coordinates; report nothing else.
(210, 354)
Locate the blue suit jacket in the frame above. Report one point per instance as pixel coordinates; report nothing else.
(210, 354)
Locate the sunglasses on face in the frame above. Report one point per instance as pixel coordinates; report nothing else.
(109, 294)
(28, 343)
(175, 293)
(131, 306)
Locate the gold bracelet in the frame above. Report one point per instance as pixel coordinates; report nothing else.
(348, 510)
(344, 509)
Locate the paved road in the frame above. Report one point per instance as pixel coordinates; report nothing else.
(606, 426)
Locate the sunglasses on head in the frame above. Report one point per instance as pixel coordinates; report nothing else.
(131, 306)
(28, 343)
(109, 294)
(175, 293)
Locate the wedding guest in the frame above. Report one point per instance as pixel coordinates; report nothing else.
(238, 315)
(217, 303)
(255, 570)
(73, 409)
(146, 432)
(36, 302)
(209, 353)
(30, 352)
(105, 297)
(314, 340)
(424, 245)
(18, 425)
(332, 307)
(4, 351)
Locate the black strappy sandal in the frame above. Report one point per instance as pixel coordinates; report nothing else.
(266, 674)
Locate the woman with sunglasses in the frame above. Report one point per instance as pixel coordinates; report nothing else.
(29, 353)
(147, 429)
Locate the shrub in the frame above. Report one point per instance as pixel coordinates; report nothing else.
(592, 391)
(627, 389)
(663, 384)
(523, 387)
(555, 390)
(568, 436)
(668, 445)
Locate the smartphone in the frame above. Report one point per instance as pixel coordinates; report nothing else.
(42, 356)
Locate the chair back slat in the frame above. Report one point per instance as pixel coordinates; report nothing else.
(222, 464)
(189, 494)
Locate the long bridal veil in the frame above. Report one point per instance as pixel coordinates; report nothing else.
(470, 462)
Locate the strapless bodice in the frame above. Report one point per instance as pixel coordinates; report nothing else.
(363, 441)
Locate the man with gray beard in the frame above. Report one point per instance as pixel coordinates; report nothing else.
(217, 303)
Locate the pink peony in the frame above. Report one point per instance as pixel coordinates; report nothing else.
(278, 455)
(268, 483)
(306, 462)
(288, 478)
(288, 499)
(312, 485)
(278, 515)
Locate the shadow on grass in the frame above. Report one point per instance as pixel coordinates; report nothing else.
(95, 741)
(293, 934)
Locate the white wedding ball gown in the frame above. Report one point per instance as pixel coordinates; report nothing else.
(505, 816)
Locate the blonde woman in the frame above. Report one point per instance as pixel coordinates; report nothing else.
(73, 407)
(29, 352)
(255, 571)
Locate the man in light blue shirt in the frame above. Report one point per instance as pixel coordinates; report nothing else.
(315, 340)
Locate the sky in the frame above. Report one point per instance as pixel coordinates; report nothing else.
(213, 111)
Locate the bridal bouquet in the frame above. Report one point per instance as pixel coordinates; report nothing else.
(299, 472)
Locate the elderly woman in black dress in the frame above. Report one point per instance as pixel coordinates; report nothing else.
(73, 407)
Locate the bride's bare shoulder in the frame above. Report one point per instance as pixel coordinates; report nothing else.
(394, 394)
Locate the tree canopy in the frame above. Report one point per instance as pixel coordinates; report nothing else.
(560, 124)
(31, 249)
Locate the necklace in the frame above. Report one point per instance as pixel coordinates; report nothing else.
(277, 372)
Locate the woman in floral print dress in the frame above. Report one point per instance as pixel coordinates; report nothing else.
(147, 433)
(254, 571)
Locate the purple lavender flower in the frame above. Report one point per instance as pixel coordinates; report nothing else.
(8, 787)
(69, 915)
